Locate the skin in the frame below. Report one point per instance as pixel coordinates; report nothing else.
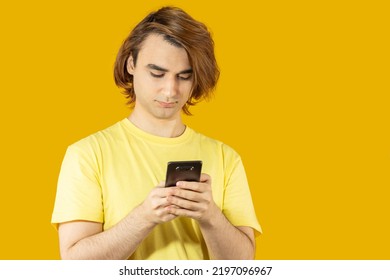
(162, 83)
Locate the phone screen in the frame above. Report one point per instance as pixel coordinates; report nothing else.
(183, 171)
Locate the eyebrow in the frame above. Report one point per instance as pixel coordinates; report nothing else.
(158, 68)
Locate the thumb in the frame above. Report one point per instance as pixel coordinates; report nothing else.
(161, 184)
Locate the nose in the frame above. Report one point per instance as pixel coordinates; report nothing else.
(171, 87)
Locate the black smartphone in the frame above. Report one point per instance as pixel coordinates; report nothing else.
(183, 171)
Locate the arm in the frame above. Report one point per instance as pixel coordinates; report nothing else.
(223, 240)
(87, 240)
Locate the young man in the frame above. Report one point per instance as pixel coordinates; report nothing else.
(111, 202)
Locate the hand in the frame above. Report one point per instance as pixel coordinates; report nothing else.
(156, 207)
(193, 200)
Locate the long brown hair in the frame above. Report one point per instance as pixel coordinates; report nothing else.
(181, 30)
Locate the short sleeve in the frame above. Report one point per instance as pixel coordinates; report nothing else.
(79, 195)
(238, 205)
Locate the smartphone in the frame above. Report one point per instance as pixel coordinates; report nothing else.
(183, 171)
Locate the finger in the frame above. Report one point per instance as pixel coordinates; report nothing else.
(161, 191)
(192, 186)
(161, 184)
(159, 202)
(165, 214)
(205, 178)
(157, 193)
(184, 203)
(185, 194)
(181, 212)
(171, 207)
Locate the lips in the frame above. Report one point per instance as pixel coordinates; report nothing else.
(166, 104)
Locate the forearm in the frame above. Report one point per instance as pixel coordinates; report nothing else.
(225, 241)
(118, 242)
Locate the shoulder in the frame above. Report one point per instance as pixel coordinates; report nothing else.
(215, 144)
(98, 139)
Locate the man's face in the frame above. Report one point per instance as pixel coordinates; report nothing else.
(162, 78)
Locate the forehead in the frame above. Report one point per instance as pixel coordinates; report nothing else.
(156, 50)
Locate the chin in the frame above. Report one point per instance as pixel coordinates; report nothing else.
(166, 114)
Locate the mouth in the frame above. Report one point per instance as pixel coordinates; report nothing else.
(166, 104)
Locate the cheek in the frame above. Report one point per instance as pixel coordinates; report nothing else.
(185, 90)
(142, 85)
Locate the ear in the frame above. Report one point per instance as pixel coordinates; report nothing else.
(130, 65)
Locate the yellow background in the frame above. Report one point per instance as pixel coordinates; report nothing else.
(303, 97)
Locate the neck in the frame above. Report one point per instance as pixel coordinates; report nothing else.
(159, 127)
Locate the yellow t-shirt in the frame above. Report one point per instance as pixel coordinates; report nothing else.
(107, 174)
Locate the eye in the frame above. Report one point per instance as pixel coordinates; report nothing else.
(156, 75)
(185, 77)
